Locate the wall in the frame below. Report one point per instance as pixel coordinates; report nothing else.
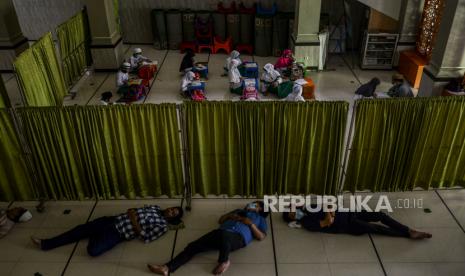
(135, 14)
(390, 8)
(37, 17)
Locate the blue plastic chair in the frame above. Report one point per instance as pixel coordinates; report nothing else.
(271, 12)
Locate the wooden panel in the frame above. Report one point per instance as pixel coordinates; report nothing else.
(379, 22)
(411, 65)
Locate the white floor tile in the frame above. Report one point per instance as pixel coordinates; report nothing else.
(454, 200)
(410, 269)
(356, 269)
(44, 268)
(304, 269)
(92, 268)
(298, 246)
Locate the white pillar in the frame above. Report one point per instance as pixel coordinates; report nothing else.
(305, 40)
(107, 44)
(448, 57)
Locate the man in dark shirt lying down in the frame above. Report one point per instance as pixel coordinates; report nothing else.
(147, 223)
(237, 229)
(354, 223)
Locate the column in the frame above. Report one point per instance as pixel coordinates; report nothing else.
(409, 19)
(107, 44)
(12, 41)
(448, 57)
(305, 41)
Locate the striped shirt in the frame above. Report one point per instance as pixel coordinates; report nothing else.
(150, 218)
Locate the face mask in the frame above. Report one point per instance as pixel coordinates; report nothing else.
(252, 205)
(299, 214)
(26, 216)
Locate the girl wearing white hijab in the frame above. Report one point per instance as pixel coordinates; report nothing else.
(187, 81)
(296, 94)
(235, 80)
(270, 77)
(233, 56)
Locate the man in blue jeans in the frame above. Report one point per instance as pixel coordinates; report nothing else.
(147, 223)
(238, 228)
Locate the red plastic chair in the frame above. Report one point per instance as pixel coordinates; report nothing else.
(245, 48)
(203, 47)
(188, 45)
(222, 45)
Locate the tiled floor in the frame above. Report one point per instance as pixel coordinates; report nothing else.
(285, 251)
(338, 82)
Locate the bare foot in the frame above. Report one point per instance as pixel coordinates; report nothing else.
(36, 241)
(159, 269)
(221, 268)
(417, 235)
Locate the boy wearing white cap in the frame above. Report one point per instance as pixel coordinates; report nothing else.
(122, 78)
(137, 59)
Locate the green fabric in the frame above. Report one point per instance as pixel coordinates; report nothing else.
(439, 155)
(400, 144)
(106, 151)
(15, 183)
(245, 148)
(117, 17)
(73, 39)
(39, 74)
(4, 99)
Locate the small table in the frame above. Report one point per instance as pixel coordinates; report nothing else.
(249, 70)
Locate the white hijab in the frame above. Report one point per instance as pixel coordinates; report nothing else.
(296, 95)
(270, 74)
(186, 80)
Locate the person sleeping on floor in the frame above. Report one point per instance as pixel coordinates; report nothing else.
(353, 223)
(8, 218)
(147, 224)
(237, 230)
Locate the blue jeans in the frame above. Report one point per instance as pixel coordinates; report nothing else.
(101, 232)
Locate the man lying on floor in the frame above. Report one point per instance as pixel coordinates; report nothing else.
(354, 223)
(238, 228)
(147, 224)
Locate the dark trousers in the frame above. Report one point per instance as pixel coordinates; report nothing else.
(362, 223)
(101, 232)
(218, 239)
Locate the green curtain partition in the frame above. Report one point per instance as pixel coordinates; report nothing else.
(106, 151)
(309, 145)
(400, 144)
(438, 160)
(263, 148)
(39, 74)
(73, 38)
(4, 99)
(15, 183)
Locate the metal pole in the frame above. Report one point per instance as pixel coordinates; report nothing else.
(20, 86)
(184, 156)
(348, 148)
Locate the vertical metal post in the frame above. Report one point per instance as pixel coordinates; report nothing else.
(347, 148)
(184, 156)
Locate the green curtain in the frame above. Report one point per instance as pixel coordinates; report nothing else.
(438, 160)
(73, 38)
(309, 144)
(400, 144)
(4, 98)
(39, 74)
(15, 182)
(106, 151)
(243, 148)
(117, 16)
